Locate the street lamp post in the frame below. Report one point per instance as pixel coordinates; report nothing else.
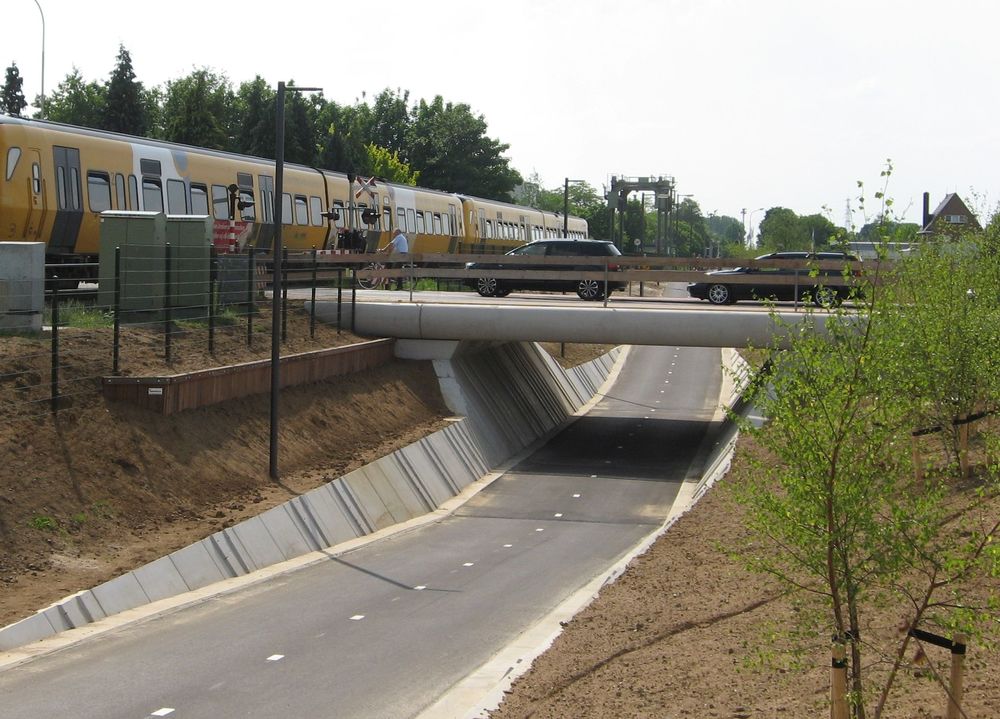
(42, 108)
(750, 227)
(279, 176)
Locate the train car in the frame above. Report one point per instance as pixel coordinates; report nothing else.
(496, 227)
(57, 179)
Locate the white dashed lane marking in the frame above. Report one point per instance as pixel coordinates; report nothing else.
(165, 711)
(276, 657)
(357, 617)
(420, 587)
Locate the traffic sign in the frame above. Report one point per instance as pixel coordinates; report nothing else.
(366, 186)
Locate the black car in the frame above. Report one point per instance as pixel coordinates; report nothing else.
(588, 289)
(718, 288)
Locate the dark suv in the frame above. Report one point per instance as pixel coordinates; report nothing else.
(572, 250)
(718, 288)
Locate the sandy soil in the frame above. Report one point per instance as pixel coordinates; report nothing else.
(103, 488)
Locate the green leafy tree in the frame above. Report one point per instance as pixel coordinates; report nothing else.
(726, 235)
(125, 108)
(254, 106)
(342, 141)
(300, 137)
(387, 165)
(780, 230)
(76, 102)
(389, 123)
(12, 99)
(449, 145)
(198, 110)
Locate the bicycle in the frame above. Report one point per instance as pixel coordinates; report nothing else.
(377, 280)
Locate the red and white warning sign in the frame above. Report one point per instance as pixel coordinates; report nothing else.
(366, 186)
(230, 235)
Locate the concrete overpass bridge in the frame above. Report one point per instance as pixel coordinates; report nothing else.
(508, 322)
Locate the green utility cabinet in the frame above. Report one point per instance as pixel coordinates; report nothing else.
(144, 239)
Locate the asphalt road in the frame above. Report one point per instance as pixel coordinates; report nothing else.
(384, 630)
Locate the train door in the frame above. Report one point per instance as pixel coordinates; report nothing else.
(265, 237)
(69, 202)
(36, 202)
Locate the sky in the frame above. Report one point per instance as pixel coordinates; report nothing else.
(747, 105)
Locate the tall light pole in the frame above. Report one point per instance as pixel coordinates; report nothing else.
(42, 108)
(279, 177)
(750, 227)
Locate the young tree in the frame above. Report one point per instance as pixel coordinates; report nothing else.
(12, 99)
(835, 510)
(125, 108)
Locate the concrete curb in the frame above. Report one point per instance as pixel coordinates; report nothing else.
(510, 385)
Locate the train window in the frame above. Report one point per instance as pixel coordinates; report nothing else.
(133, 192)
(99, 191)
(286, 208)
(13, 155)
(437, 224)
(411, 225)
(386, 218)
(489, 229)
(74, 176)
(482, 223)
(61, 186)
(220, 202)
(315, 211)
(339, 219)
(152, 195)
(120, 191)
(248, 212)
(401, 218)
(446, 224)
(36, 178)
(177, 197)
(301, 210)
(150, 167)
(199, 199)
(420, 223)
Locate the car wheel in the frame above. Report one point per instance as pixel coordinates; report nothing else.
(826, 297)
(488, 287)
(720, 295)
(590, 290)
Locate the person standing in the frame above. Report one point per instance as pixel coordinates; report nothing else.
(398, 245)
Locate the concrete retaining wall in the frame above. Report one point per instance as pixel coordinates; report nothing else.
(512, 394)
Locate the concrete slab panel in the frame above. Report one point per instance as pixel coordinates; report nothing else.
(406, 484)
(76, 610)
(338, 526)
(119, 594)
(368, 499)
(160, 579)
(348, 500)
(288, 536)
(387, 481)
(195, 565)
(429, 476)
(259, 548)
(28, 630)
(304, 518)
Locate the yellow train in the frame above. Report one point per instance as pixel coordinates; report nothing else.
(57, 179)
